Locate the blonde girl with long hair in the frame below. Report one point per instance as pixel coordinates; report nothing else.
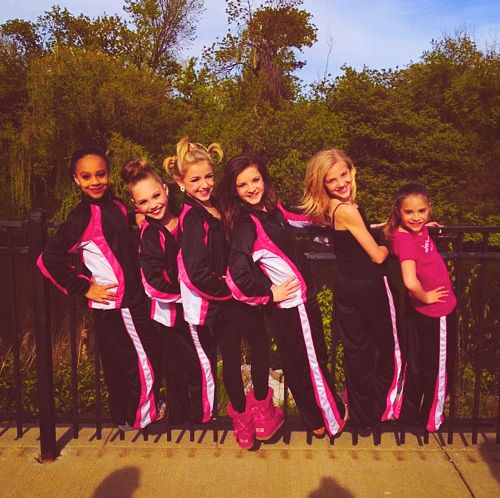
(365, 312)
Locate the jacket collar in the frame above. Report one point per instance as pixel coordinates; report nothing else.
(105, 199)
(200, 208)
(161, 227)
(156, 223)
(259, 213)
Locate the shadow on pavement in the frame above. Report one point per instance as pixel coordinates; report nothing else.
(122, 483)
(328, 487)
(65, 439)
(491, 457)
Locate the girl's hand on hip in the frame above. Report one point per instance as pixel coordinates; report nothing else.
(287, 290)
(100, 293)
(436, 295)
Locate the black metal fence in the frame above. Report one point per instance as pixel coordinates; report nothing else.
(474, 256)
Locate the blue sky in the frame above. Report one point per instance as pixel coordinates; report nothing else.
(375, 33)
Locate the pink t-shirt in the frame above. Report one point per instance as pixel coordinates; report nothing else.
(431, 269)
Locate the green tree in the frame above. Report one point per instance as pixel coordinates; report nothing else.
(59, 27)
(22, 36)
(160, 27)
(77, 97)
(426, 123)
(262, 50)
(462, 84)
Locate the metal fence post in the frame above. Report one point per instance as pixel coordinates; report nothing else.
(43, 339)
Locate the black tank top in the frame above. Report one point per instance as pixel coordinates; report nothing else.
(352, 259)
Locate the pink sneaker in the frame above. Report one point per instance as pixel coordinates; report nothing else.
(267, 417)
(243, 427)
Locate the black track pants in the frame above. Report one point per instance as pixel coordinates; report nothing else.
(130, 352)
(365, 316)
(202, 337)
(430, 351)
(183, 371)
(301, 343)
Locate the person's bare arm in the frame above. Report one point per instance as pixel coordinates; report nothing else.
(348, 217)
(412, 283)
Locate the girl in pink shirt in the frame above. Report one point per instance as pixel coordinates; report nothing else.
(426, 278)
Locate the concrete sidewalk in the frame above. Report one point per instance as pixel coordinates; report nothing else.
(157, 468)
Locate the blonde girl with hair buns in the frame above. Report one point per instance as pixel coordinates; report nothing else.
(201, 252)
(364, 307)
(200, 259)
(209, 310)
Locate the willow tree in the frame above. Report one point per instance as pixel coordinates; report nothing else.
(69, 80)
(78, 97)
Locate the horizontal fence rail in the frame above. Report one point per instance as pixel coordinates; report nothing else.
(469, 250)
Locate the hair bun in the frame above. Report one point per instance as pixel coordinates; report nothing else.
(169, 165)
(134, 170)
(189, 153)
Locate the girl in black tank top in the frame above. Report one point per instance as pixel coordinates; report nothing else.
(352, 260)
(364, 308)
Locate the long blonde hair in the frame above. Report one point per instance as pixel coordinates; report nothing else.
(315, 201)
(189, 153)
